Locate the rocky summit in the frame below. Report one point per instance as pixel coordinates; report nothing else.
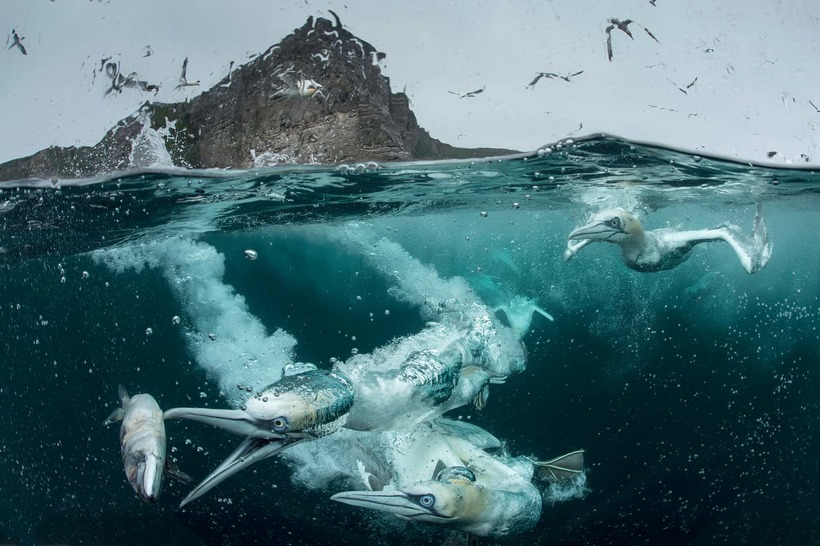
(316, 97)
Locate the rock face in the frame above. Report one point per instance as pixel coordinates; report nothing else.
(263, 113)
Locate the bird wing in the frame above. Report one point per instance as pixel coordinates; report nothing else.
(541, 75)
(22, 48)
(609, 42)
(650, 34)
(184, 69)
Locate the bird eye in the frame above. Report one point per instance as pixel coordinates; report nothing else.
(427, 500)
(280, 424)
(615, 222)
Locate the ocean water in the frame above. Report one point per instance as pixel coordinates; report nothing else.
(695, 391)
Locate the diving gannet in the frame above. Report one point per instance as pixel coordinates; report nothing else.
(302, 406)
(445, 476)
(142, 444)
(417, 386)
(661, 249)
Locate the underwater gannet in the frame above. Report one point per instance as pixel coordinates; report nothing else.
(662, 249)
(310, 403)
(183, 78)
(305, 405)
(443, 475)
(142, 444)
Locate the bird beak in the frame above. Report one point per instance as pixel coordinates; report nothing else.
(234, 421)
(249, 451)
(393, 502)
(260, 442)
(596, 231)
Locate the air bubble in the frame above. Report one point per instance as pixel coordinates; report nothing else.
(175, 320)
(148, 331)
(251, 254)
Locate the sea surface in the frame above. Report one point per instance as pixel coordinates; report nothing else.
(695, 391)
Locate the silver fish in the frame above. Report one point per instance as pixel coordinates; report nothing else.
(142, 442)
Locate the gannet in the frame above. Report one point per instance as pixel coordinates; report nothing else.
(551, 75)
(422, 385)
(308, 404)
(142, 444)
(17, 41)
(661, 249)
(624, 27)
(443, 475)
(183, 78)
(468, 94)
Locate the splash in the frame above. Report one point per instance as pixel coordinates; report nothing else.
(575, 488)
(148, 149)
(226, 340)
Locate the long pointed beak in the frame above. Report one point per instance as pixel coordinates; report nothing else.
(595, 231)
(394, 502)
(249, 451)
(234, 421)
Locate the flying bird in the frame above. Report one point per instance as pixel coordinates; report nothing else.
(468, 95)
(551, 75)
(624, 27)
(814, 106)
(148, 51)
(183, 78)
(18, 41)
(683, 89)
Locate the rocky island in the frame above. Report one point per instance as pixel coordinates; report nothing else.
(316, 97)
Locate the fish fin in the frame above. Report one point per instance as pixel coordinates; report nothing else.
(173, 471)
(561, 468)
(123, 394)
(480, 399)
(115, 416)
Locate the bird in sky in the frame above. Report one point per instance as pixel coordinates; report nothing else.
(17, 41)
(624, 27)
(468, 95)
(183, 78)
(551, 75)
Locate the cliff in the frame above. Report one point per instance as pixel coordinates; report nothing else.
(317, 96)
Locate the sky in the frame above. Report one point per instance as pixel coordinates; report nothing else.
(755, 65)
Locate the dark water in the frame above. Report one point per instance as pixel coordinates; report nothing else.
(695, 391)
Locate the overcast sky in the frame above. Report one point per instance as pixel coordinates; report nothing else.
(757, 64)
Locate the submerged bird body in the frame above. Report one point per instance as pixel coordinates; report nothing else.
(442, 474)
(662, 249)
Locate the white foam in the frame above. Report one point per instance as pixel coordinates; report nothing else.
(148, 149)
(226, 340)
(575, 488)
